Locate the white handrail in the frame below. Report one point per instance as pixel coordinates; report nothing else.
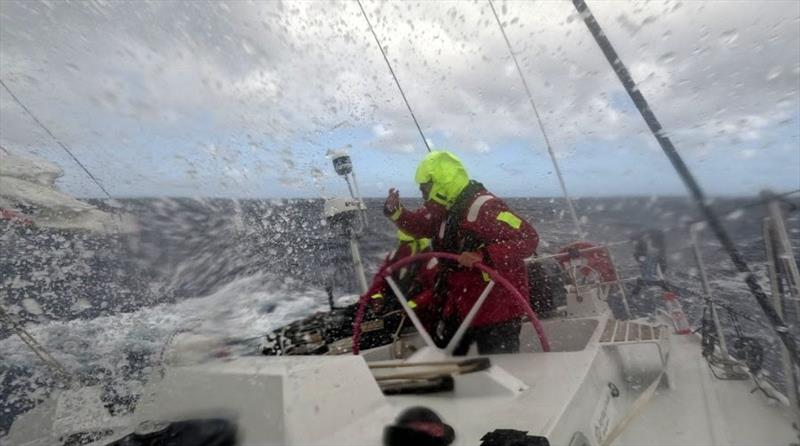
(411, 314)
(462, 329)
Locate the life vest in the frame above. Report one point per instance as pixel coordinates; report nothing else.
(452, 239)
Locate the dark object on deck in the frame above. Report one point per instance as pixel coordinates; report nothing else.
(418, 426)
(431, 382)
(82, 438)
(546, 285)
(314, 334)
(472, 365)
(207, 432)
(751, 351)
(419, 386)
(511, 437)
(491, 339)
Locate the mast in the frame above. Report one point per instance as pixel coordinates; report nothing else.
(689, 181)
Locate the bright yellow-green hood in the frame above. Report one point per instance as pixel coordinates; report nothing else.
(447, 175)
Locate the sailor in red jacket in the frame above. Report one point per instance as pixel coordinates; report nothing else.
(415, 281)
(462, 217)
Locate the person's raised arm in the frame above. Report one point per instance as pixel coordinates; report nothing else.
(421, 223)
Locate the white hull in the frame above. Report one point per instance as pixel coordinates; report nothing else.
(563, 395)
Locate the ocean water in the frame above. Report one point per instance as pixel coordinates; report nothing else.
(105, 306)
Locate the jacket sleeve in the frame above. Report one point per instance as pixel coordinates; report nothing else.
(423, 222)
(507, 236)
(379, 288)
(426, 277)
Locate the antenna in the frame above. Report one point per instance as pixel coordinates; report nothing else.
(349, 215)
(397, 82)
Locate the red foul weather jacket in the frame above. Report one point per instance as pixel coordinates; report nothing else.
(477, 221)
(415, 281)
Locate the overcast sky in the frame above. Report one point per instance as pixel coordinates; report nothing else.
(244, 99)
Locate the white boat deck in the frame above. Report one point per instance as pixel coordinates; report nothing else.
(581, 392)
(477, 407)
(700, 409)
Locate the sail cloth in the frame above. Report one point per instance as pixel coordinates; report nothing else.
(28, 185)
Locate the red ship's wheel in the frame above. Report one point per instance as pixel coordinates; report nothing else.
(494, 275)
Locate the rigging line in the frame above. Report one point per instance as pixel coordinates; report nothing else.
(775, 319)
(58, 141)
(38, 349)
(575, 219)
(397, 82)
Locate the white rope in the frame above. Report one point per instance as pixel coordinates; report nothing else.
(61, 144)
(636, 408)
(38, 349)
(571, 207)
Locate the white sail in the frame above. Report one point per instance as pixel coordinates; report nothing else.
(28, 186)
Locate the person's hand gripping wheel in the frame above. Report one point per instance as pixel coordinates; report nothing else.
(468, 259)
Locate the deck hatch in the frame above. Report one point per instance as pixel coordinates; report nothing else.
(617, 331)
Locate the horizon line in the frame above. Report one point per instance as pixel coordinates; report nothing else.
(557, 197)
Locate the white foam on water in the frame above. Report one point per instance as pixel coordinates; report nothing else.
(242, 309)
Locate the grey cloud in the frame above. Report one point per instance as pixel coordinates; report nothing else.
(714, 72)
